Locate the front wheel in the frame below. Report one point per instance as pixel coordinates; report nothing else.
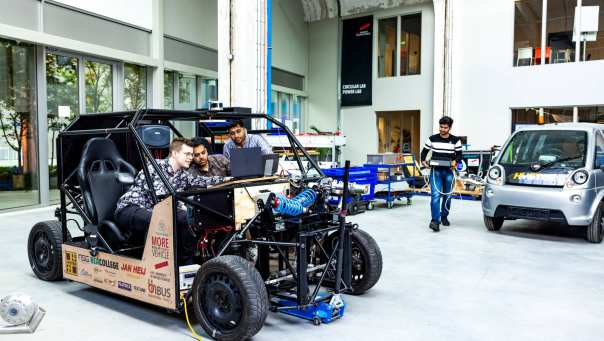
(595, 232)
(44, 250)
(229, 298)
(493, 223)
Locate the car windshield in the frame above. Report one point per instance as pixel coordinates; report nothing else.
(547, 148)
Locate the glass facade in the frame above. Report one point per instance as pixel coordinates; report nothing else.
(135, 87)
(62, 106)
(411, 44)
(558, 25)
(99, 87)
(18, 126)
(387, 47)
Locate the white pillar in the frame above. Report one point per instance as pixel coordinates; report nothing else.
(242, 36)
(439, 105)
(156, 97)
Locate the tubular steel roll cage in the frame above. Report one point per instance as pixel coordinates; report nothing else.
(71, 202)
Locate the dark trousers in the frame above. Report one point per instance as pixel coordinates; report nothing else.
(138, 219)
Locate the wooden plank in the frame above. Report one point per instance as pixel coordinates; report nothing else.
(150, 279)
(245, 203)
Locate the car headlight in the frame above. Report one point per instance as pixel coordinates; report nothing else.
(580, 177)
(495, 175)
(577, 179)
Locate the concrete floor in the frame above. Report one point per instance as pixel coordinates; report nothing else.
(529, 282)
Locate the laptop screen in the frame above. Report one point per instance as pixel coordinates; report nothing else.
(247, 162)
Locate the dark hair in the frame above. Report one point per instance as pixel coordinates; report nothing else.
(201, 141)
(446, 120)
(177, 143)
(236, 123)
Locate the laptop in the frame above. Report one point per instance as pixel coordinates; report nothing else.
(247, 163)
(271, 164)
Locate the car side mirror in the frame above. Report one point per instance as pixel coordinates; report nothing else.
(125, 178)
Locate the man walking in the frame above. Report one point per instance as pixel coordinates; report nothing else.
(445, 148)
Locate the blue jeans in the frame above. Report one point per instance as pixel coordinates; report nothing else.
(441, 178)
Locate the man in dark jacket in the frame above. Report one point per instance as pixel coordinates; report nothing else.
(446, 148)
(205, 164)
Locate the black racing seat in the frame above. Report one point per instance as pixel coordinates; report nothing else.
(104, 176)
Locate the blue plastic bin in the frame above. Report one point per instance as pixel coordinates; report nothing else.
(357, 175)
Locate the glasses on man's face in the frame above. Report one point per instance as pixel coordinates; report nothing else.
(188, 154)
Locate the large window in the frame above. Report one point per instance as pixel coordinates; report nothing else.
(593, 43)
(558, 26)
(411, 43)
(591, 114)
(532, 116)
(18, 125)
(387, 47)
(407, 53)
(168, 90)
(99, 86)
(527, 31)
(135, 87)
(288, 109)
(62, 105)
(207, 90)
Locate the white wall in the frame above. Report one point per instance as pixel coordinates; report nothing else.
(487, 85)
(322, 81)
(393, 93)
(290, 37)
(192, 20)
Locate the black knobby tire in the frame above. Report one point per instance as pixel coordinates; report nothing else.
(493, 223)
(366, 261)
(44, 250)
(595, 233)
(229, 298)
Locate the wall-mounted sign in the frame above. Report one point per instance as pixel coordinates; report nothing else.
(357, 38)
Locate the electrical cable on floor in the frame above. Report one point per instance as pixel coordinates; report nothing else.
(193, 333)
(448, 195)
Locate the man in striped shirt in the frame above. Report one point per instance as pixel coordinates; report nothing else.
(444, 147)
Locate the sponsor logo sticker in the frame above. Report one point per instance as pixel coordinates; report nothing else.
(85, 273)
(161, 265)
(124, 286)
(105, 262)
(135, 269)
(158, 290)
(71, 263)
(139, 289)
(160, 247)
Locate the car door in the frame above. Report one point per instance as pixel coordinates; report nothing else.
(599, 160)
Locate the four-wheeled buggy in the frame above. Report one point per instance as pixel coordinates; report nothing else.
(264, 243)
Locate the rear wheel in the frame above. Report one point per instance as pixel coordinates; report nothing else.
(230, 298)
(493, 223)
(366, 261)
(595, 232)
(44, 250)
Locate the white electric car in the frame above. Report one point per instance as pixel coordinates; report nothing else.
(553, 172)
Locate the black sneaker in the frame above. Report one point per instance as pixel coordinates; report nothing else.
(445, 221)
(434, 226)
